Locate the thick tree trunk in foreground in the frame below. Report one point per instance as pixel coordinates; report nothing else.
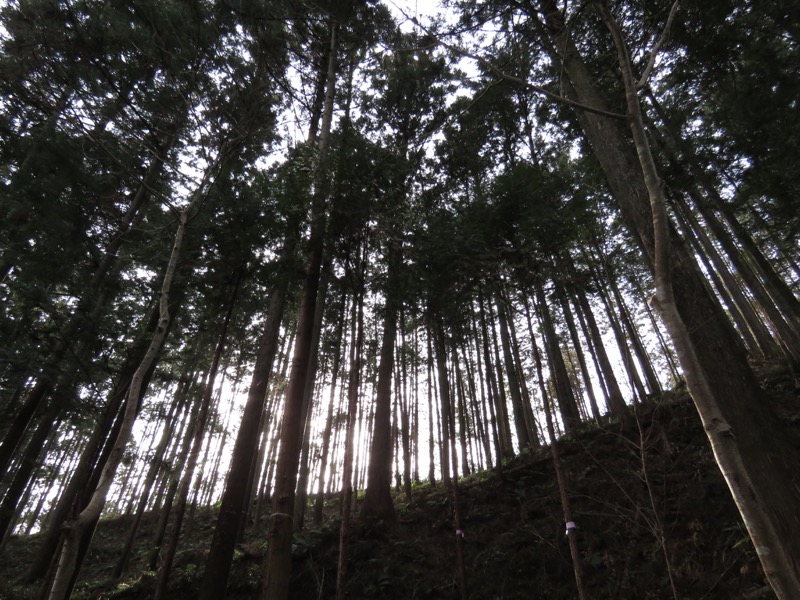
(749, 443)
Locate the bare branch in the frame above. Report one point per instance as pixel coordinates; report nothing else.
(657, 46)
(512, 78)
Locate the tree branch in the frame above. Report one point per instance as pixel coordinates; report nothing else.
(512, 78)
(657, 46)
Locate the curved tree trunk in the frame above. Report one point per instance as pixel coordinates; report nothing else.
(86, 312)
(68, 564)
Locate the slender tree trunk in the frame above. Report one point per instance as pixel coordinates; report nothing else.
(68, 561)
(86, 312)
(353, 389)
(478, 404)
(94, 453)
(653, 384)
(523, 437)
(431, 422)
(301, 499)
(197, 434)
(561, 479)
(530, 421)
(500, 397)
(278, 564)
(165, 506)
(637, 387)
(155, 467)
(568, 407)
(11, 505)
(755, 335)
(576, 344)
(450, 454)
(763, 280)
(486, 396)
(405, 416)
(319, 501)
(461, 405)
(616, 404)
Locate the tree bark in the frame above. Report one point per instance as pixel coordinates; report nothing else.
(144, 497)
(523, 437)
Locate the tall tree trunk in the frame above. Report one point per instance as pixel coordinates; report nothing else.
(533, 429)
(85, 473)
(405, 414)
(431, 415)
(486, 395)
(561, 479)
(197, 434)
(637, 387)
(353, 389)
(378, 503)
(233, 505)
(11, 505)
(616, 404)
(576, 344)
(319, 501)
(762, 279)
(496, 399)
(568, 406)
(755, 335)
(450, 454)
(301, 499)
(68, 564)
(646, 364)
(278, 563)
(81, 321)
(144, 497)
(755, 464)
(478, 404)
(461, 405)
(523, 437)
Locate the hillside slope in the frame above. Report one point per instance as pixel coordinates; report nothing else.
(625, 485)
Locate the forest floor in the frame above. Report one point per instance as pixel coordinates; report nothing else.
(655, 479)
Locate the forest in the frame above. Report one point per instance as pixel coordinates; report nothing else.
(278, 269)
